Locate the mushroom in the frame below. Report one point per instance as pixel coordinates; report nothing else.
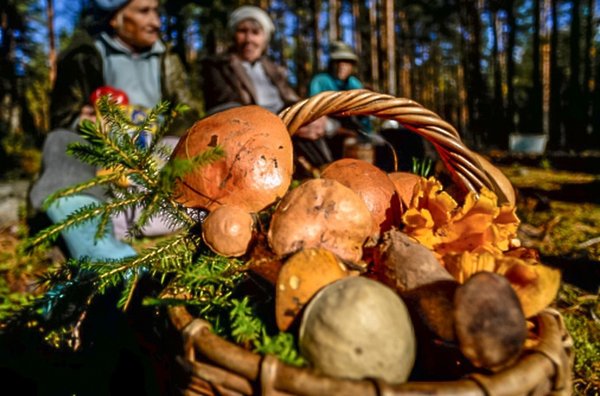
(321, 213)
(404, 183)
(227, 231)
(301, 276)
(441, 308)
(490, 325)
(358, 328)
(373, 186)
(535, 284)
(437, 221)
(257, 166)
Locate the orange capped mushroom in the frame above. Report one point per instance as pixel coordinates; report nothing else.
(321, 213)
(227, 231)
(404, 182)
(257, 166)
(302, 275)
(373, 186)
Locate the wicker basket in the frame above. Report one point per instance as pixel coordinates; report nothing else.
(214, 366)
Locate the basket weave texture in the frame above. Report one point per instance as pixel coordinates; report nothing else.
(214, 366)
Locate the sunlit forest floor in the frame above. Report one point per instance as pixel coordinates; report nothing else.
(560, 214)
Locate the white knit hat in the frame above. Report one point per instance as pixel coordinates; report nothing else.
(251, 12)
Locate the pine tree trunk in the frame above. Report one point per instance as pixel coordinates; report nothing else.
(390, 44)
(575, 125)
(475, 84)
(587, 66)
(497, 136)
(356, 28)
(545, 69)
(334, 27)
(510, 65)
(405, 67)
(374, 45)
(316, 46)
(536, 91)
(556, 139)
(51, 40)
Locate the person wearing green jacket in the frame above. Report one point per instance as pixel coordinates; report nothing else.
(127, 54)
(338, 77)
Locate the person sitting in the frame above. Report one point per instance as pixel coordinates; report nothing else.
(340, 77)
(126, 54)
(245, 75)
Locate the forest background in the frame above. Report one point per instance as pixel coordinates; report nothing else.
(489, 67)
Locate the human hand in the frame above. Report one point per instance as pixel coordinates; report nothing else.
(87, 113)
(313, 131)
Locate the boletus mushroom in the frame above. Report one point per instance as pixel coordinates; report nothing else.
(300, 277)
(358, 328)
(482, 317)
(373, 186)
(227, 230)
(257, 166)
(404, 182)
(321, 213)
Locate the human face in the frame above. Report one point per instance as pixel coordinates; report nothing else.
(138, 24)
(250, 40)
(343, 69)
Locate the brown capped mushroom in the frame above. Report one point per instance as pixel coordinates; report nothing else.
(404, 182)
(373, 186)
(257, 166)
(441, 307)
(490, 325)
(227, 231)
(321, 213)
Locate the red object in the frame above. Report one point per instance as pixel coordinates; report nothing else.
(117, 96)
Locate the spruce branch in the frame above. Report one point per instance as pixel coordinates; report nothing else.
(51, 233)
(167, 256)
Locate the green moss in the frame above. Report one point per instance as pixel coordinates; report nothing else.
(581, 312)
(568, 229)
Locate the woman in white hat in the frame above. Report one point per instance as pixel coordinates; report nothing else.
(245, 75)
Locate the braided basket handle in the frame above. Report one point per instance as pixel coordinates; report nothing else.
(463, 165)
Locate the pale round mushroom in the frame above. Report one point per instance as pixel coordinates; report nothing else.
(227, 231)
(358, 328)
